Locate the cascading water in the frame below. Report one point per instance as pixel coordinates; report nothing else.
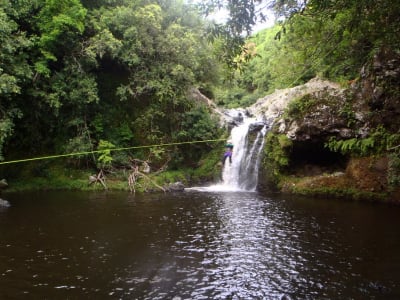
(242, 173)
(247, 137)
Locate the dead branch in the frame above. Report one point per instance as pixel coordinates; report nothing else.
(392, 148)
(136, 174)
(99, 178)
(155, 184)
(163, 167)
(132, 178)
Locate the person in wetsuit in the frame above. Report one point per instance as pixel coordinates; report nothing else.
(228, 152)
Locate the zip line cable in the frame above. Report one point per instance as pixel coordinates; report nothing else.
(104, 150)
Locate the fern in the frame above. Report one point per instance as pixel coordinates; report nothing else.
(378, 142)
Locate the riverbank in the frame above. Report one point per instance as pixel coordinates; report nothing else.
(325, 186)
(53, 175)
(332, 186)
(78, 180)
(360, 179)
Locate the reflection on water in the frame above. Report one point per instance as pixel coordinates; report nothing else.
(196, 245)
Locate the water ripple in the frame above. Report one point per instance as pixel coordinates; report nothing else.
(206, 245)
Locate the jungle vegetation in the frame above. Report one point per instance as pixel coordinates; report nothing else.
(76, 75)
(331, 39)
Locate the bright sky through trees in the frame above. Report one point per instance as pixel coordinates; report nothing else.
(221, 15)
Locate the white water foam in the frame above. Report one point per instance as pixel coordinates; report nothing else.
(242, 174)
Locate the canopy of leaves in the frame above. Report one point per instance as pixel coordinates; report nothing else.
(331, 39)
(79, 72)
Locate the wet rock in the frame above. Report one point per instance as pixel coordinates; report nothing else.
(176, 187)
(4, 203)
(234, 117)
(257, 126)
(3, 184)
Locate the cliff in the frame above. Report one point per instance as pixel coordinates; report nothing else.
(331, 140)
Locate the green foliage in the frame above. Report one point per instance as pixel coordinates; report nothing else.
(74, 72)
(348, 113)
(123, 68)
(276, 154)
(105, 158)
(59, 21)
(14, 70)
(378, 142)
(79, 143)
(168, 177)
(360, 147)
(209, 166)
(198, 125)
(6, 130)
(394, 170)
(234, 96)
(331, 39)
(298, 107)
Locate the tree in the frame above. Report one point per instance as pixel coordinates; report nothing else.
(59, 22)
(365, 24)
(77, 72)
(14, 69)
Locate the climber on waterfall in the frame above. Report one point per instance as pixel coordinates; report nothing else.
(228, 152)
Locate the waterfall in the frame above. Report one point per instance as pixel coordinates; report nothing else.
(242, 173)
(247, 137)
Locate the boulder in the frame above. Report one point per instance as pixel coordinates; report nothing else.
(4, 203)
(256, 126)
(3, 184)
(176, 187)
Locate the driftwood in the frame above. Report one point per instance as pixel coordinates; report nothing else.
(99, 178)
(136, 174)
(164, 167)
(392, 148)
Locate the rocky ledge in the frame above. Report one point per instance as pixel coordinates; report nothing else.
(305, 119)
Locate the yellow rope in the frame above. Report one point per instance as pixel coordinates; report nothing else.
(99, 151)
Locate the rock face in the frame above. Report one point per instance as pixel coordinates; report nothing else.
(176, 187)
(311, 114)
(378, 88)
(272, 106)
(316, 115)
(321, 108)
(305, 118)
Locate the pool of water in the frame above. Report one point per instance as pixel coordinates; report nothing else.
(196, 245)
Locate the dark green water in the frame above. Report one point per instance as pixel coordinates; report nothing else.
(193, 245)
